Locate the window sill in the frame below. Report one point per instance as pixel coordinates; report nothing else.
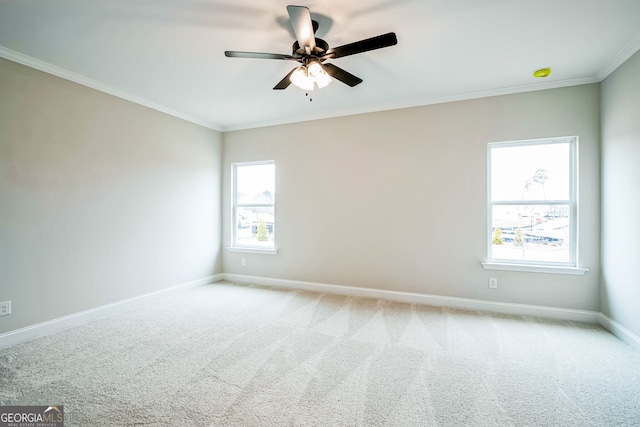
(252, 250)
(492, 265)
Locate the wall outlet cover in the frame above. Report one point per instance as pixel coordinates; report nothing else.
(5, 308)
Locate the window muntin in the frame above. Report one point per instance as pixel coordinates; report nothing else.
(253, 205)
(532, 202)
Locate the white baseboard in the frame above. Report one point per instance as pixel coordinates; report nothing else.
(620, 331)
(51, 326)
(40, 329)
(409, 297)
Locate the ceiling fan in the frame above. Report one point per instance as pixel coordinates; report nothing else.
(312, 53)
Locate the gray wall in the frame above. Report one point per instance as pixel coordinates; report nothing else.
(100, 199)
(103, 200)
(621, 195)
(397, 199)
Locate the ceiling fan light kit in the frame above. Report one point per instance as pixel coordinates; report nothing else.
(306, 77)
(312, 52)
(300, 78)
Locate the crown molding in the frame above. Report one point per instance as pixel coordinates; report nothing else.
(46, 67)
(626, 53)
(419, 102)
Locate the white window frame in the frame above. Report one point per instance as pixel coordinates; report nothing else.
(235, 247)
(570, 267)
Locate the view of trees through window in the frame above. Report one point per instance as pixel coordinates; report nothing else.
(531, 214)
(254, 204)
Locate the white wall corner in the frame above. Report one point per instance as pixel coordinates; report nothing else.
(620, 331)
(621, 57)
(51, 326)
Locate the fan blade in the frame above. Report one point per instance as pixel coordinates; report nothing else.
(303, 27)
(257, 55)
(377, 42)
(284, 83)
(342, 75)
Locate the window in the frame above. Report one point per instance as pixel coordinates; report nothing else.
(253, 205)
(532, 202)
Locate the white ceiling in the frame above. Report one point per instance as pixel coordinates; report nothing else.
(169, 54)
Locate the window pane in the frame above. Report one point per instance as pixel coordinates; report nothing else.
(255, 226)
(255, 184)
(530, 172)
(531, 233)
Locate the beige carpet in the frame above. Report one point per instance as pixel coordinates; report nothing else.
(235, 355)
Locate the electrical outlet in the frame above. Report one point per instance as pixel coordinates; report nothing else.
(244, 262)
(5, 308)
(493, 282)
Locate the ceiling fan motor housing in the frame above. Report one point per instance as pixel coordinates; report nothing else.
(321, 47)
(312, 52)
